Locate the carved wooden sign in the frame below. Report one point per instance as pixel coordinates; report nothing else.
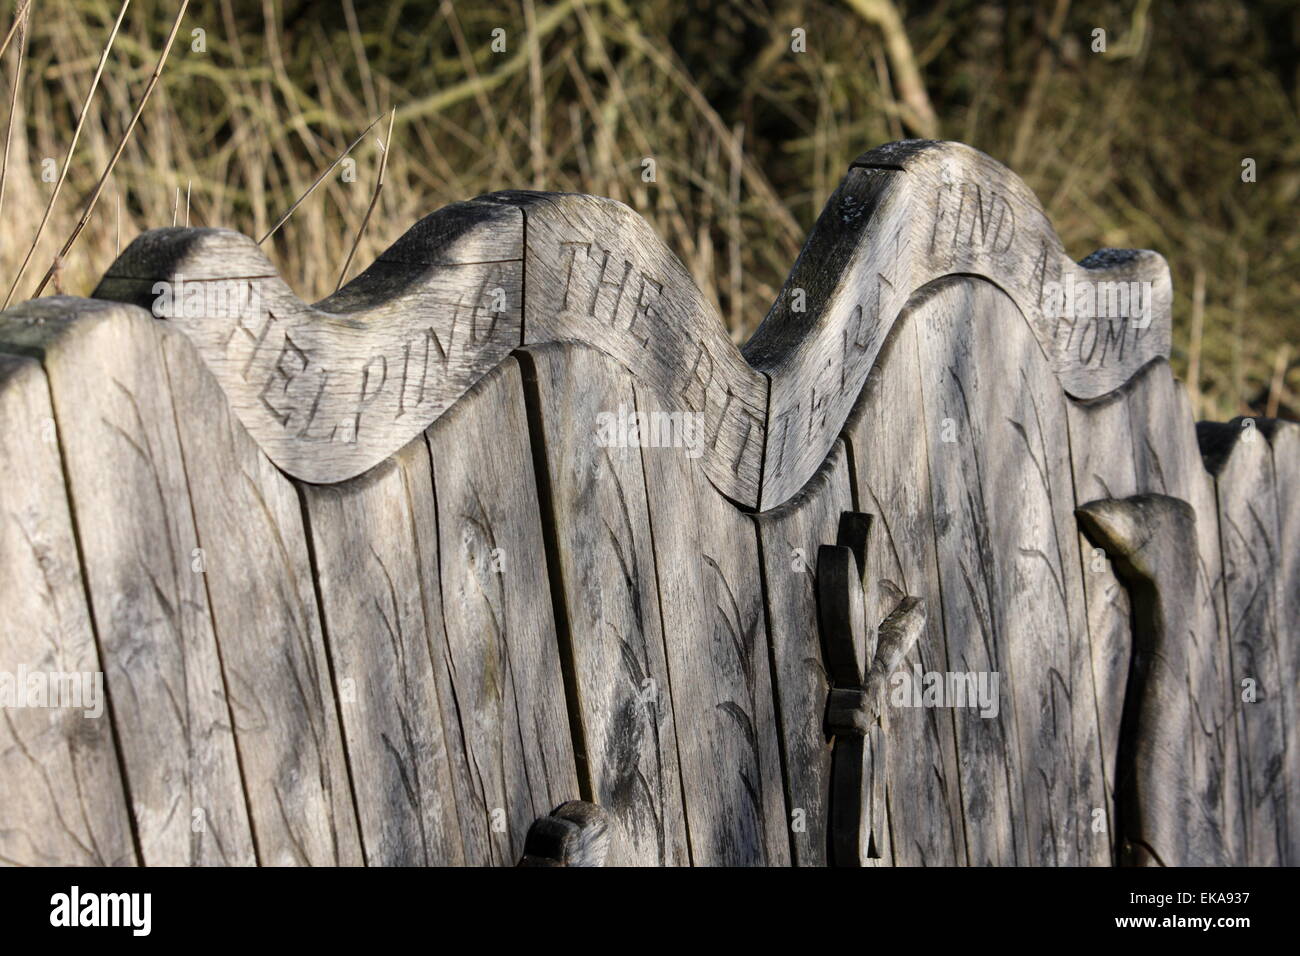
(598, 274)
(910, 213)
(331, 389)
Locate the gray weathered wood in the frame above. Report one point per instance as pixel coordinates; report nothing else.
(63, 800)
(502, 653)
(1284, 442)
(598, 516)
(263, 600)
(1167, 461)
(328, 390)
(484, 606)
(886, 437)
(1101, 458)
(1152, 539)
(367, 561)
(707, 560)
(1239, 458)
(1011, 579)
(597, 273)
(860, 661)
(906, 214)
(789, 538)
(135, 527)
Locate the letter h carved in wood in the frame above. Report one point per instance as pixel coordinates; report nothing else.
(859, 661)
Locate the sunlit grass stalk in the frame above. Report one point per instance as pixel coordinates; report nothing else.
(319, 179)
(387, 147)
(67, 159)
(117, 153)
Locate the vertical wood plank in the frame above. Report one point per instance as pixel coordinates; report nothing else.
(600, 523)
(886, 435)
(1011, 579)
(789, 537)
(259, 581)
(1167, 461)
(1284, 441)
(62, 800)
(1152, 539)
(502, 650)
(707, 560)
(134, 522)
(1239, 458)
(1101, 459)
(364, 542)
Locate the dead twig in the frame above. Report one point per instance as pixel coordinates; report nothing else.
(374, 198)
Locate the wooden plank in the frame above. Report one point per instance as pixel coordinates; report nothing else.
(367, 564)
(502, 652)
(1284, 442)
(1152, 539)
(259, 580)
(706, 555)
(63, 798)
(331, 389)
(1101, 458)
(1011, 579)
(1239, 458)
(597, 273)
(907, 214)
(789, 538)
(891, 478)
(134, 522)
(599, 526)
(1167, 461)
(860, 660)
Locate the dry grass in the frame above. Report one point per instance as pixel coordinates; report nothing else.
(1138, 147)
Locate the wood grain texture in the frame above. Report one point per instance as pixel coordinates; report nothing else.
(886, 438)
(1101, 459)
(131, 505)
(789, 539)
(907, 214)
(1167, 461)
(598, 516)
(263, 600)
(367, 564)
(331, 389)
(1010, 579)
(502, 652)
(1152, 539)
(1284, 442)
(598, 273)
(61, 796)
(707, 561)
(1239, 458)
(385, 579)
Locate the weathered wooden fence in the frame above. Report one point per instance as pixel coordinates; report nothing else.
(936, 569)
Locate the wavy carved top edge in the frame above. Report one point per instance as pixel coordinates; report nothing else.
(330, 389)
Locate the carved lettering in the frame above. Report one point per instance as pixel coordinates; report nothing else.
(701, 374)
(971, 218)
(256, 340)
(573, 248)
(374, 376)
(283, 370)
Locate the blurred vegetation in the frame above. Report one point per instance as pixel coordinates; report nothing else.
(1139, 146)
